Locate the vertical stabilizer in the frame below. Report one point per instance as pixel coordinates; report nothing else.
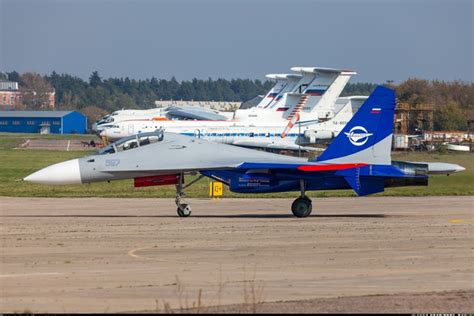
(322, 86)
(284, 83)
(329, 98)
(367, 138)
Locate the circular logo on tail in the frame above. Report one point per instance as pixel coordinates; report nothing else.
(358, 135)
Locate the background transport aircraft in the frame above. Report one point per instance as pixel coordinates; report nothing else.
(272, 132)
(312, 95)
(358, 159)
(296, 136)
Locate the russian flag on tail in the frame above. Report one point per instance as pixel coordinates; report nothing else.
(375, 111)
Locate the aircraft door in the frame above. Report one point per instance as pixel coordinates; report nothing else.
(130, 129)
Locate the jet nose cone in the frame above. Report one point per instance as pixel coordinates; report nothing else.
(66, 172)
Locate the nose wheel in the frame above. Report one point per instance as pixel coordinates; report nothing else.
(183, 209)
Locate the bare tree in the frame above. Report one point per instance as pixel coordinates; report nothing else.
(93, 113)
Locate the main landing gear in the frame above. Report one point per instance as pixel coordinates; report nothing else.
(302, 206)
(184, 209)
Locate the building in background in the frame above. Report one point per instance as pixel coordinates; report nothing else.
(413, 118)
(11, 96)
(43, 122)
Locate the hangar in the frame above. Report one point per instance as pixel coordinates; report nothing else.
(43, 122)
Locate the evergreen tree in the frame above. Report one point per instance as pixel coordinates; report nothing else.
(94, 79)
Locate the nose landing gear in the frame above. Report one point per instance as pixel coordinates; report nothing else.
(183, 209)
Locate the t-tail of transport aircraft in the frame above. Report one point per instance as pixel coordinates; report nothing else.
(358, 159)
(312, 94)
(324, 87)
(284, 83)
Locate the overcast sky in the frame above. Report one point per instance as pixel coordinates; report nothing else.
(381, 40)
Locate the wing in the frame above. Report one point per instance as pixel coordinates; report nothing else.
(194, 114)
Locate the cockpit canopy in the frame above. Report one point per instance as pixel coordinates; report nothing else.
(131, 142)
(103, 119)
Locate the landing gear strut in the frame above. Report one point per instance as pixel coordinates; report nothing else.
(184, 209)
(302, 206)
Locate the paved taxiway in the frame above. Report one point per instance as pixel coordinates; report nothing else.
(106, 255)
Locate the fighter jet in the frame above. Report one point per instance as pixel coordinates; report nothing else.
(358, 159)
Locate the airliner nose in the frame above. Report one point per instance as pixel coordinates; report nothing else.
(459, 168)
(66, 172)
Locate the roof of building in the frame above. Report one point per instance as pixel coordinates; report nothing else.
(34, 113)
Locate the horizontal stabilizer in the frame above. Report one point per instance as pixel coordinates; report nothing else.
(283, 76)
(313, 70)
(365, 185)
(356, 97)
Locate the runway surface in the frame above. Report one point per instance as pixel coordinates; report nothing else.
(108, 255)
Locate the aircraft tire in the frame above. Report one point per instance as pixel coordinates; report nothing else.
(184, 210)
(302, 207)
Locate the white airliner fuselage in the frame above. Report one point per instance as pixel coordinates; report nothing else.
(245, 133)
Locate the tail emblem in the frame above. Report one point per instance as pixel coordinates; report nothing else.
(358, 135)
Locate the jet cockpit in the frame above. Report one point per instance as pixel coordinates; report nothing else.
(134, 141)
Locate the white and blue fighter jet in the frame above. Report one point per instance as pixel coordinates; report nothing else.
(359, 158)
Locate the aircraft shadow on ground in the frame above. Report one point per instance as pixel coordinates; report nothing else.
(205, 216)
(283, 216)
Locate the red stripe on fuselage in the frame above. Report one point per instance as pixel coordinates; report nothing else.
(328, 167)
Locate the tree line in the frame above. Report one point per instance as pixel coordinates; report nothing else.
(453, 101)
